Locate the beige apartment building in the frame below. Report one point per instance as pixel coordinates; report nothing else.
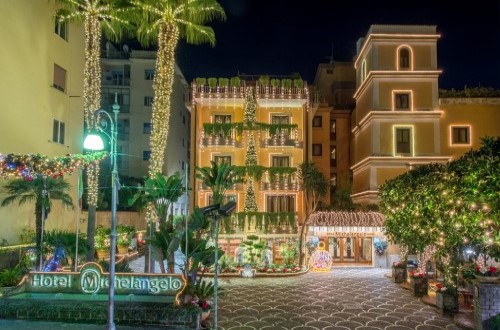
(41, 66)
(129, 74)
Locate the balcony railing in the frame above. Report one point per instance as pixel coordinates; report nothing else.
(217, 141)
(280, 185)
(260, 222)
(237, 186)
(280, 92)
(219, 92)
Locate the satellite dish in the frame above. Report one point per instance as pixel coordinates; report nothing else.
(125, 48)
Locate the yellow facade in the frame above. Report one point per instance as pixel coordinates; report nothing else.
(286, 149)
(30, 104)
(400, 121)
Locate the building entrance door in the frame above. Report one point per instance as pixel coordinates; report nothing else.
(350, 249)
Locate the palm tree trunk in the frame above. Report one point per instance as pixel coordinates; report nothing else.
(160, 259)
(168, 37)
(301, 242)
(91, 103)
(38, 231)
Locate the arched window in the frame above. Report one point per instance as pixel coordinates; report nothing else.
(404, 58)
(363, 70)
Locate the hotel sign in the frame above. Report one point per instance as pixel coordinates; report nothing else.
(92, 280)
(346, 234)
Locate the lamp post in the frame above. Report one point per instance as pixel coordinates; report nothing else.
(94, 142)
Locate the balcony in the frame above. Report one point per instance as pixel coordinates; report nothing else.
(281, 142)
(280, 185)
(260, 222)
(217, 141)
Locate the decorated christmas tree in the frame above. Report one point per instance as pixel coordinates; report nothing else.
(249, 119)
(251, 158)
(250, 202)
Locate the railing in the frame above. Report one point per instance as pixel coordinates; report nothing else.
(217, 141)
(281, 142)
(221, 92)
(237, 186)
(280, 185)
(115, 81)
(260, 222)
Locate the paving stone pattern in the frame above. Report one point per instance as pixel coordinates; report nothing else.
(344, 299)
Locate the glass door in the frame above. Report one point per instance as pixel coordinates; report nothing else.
(334, 248)
(365, 249)
(348, 248)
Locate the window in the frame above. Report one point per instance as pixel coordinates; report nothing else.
(403, 138)
(149, 74)
(460, 135)
(58, 131)
(146, 154)
(281, 120)
(333, 156)
(184, 120)
(148, 101)
(404, 58)
(182, 165)
(333, 130)
(123, 129)
(122, 157)
(318, 121)
(285, 203)
(61, 28)
(59, 78)
(222, 119)
(183, 142)
(146, 128)
(402, 101)
(280, 161)
(222, 160)
(329, 71)
(363, 71)
(317, 149)
(122, 98)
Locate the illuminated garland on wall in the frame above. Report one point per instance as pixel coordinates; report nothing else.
(347, 219)
(251, 157)
(250, 118)
(31, 165)
(250, 201)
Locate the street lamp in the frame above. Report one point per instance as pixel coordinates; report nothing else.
(94, 142)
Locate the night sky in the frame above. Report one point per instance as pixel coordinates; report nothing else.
(278, 37)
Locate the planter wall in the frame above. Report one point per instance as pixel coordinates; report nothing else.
(446, 303)
(486, 305)
(419, 286)
(398, 275)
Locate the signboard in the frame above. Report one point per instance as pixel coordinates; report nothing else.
(92, 280)
(346, 234)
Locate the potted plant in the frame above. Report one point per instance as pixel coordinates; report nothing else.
(10, 277)
(446, 298)
(102, 242)
(204, 291)
(418, 283)
(398, 272)
(486, 274)
(235, 82)
(200, 81)
(124, 237)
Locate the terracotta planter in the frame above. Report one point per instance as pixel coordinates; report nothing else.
(398, 275)
(446, 303)
(419, 286)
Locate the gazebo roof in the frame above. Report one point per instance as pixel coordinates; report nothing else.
(347, 219)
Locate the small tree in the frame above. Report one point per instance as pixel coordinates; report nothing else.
(41, 190)
(315, 186)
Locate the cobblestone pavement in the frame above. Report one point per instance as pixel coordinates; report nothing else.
(346, 298)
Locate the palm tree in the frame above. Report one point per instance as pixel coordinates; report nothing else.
(97, 16)
(161, 193)
(315, 186)
(40, 190)
(219, 178)
(164, 22)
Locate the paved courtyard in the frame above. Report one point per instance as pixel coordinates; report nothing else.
(346, 298)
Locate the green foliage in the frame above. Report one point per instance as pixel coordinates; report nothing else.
(447, 205)
(470, 92)
(235, 82)
(56, 238)
(27, 236)
(286, 83)
(212, 82)
(124, 235)
(11, 276)
(264, 80)
(101, 239)
(250, 200)
(200, 81)
(218, 177)
(275, 83)
(223, 82)
(299, 83)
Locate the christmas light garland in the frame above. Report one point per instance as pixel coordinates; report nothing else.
(31, 165)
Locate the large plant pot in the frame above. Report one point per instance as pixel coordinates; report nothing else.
(122, 249)
(487, 279)
(398, 275)
(419, 286)
(446, 303)
(102, 254)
